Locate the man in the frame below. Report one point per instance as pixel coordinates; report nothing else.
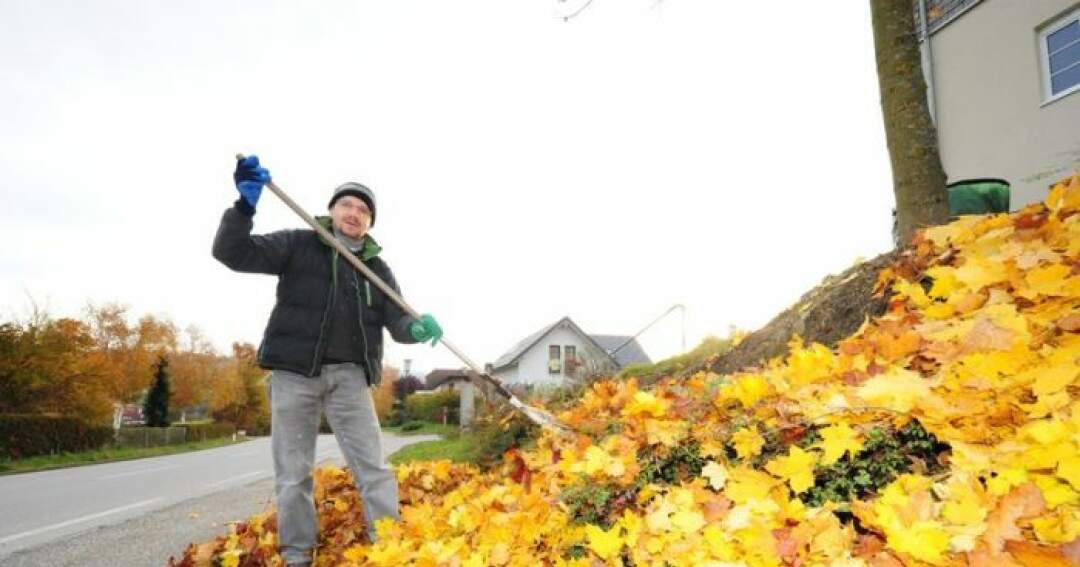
(324, 344)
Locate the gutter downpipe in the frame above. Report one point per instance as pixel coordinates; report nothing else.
(931, 92)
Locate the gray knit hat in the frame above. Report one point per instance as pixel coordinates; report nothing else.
(356, 190)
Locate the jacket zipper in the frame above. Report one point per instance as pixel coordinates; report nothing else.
(326, 314)
(360, 316)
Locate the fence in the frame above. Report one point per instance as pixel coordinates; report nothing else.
(158, 436)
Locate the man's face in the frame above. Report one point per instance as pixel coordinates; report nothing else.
(351, 216)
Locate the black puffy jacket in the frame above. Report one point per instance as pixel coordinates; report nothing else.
(308, 271)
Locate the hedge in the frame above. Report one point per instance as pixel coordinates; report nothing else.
(204, 431)
(27, 435)
(429, 407)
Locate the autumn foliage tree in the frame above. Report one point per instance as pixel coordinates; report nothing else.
(127, 350)
(82, 368)
(383, 396)
(240, 395)
(49, 366)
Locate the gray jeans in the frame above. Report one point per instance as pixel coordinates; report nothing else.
(296, 401)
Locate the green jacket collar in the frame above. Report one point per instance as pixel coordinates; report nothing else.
(370, 250)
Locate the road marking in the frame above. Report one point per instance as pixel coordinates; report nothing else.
(79, 520)
(129, 473)
(237, 477)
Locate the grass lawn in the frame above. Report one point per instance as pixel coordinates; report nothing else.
(426, 429)
(454, 445)
(458, 448)
(46, 462)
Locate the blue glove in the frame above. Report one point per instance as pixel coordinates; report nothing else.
(250, 178)
(426, 328)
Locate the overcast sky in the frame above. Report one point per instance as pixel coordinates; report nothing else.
(722, 155)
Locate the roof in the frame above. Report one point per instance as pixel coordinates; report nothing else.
(632, 353)
(940, 13)
(440, 376)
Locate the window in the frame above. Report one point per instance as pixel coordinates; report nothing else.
(1060, 47)
(554, 359)
(571, 359)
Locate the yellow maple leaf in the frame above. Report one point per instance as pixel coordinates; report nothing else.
(745, 484)
(898, 389)
(911, 291)
(839, 439)
(797, 467)
(230, 558)
(925, 540)
(1046, 431)
(1055, 378)
(978, 272)
(1068, 468)
(945, 282)
(1048, 280)
(665, 432)
(1059, 526)
(750, 389)
(355, 553)
(687, 521)
(645, 403)
(1054, 491)
(747, 442)
(810, 364)
(1005, 480)
(966, 502)
(598, 460)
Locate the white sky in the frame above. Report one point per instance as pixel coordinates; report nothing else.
(723, 155)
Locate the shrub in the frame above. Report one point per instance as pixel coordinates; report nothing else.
(412, 426)
(429, 407)
(204, 431)
(24, 435)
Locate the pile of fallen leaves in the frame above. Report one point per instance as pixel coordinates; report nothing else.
(945, 432)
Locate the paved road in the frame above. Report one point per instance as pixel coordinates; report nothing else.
(45, 510)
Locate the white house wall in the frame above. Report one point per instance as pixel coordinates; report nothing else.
(532, 367)
(992, 117)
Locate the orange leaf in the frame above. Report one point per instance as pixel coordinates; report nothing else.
(1034, 555)
(1024, 501)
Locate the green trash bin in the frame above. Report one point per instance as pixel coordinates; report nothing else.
(978, 197)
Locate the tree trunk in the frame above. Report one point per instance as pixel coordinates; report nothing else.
(918, 177)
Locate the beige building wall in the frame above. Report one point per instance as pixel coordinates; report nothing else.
(992, 116)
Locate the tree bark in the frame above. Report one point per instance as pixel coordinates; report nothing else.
(918, 176)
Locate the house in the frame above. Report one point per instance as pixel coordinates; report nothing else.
(1003, 85)
(445, 379)
(560, 352)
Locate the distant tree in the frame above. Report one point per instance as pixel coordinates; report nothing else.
(383, 396)
(240, 394)
(50, 366)
(405, 386)
(156, 407)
